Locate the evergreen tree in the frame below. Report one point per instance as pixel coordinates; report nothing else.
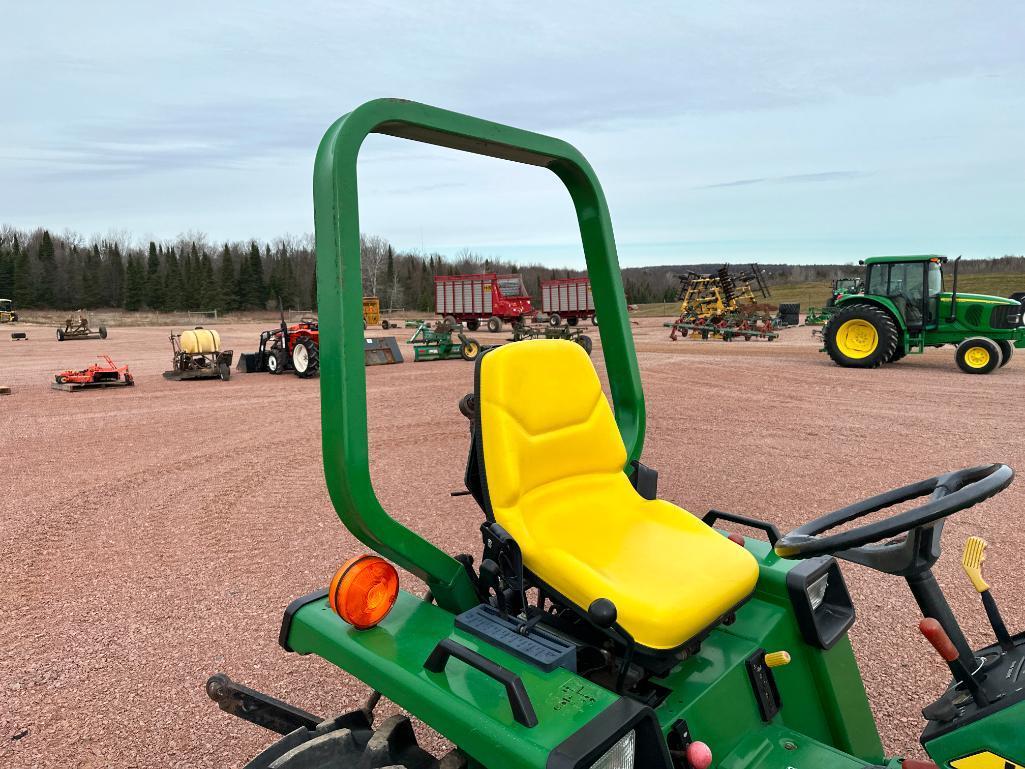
(21, 291)
(206, 285)
(154, 286)
(115, 272)
(189, 268)
(46, 288)
(135, 284)
(6, 273)
(173, 291)
(257, 291)
(92, 279)
(227, 299)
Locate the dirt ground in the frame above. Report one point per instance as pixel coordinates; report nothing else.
(153, 535)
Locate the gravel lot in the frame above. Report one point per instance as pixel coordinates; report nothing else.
(151, 536)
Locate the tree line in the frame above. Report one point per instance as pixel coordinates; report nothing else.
(40, 269)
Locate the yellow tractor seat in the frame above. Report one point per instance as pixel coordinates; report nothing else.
(551, 463)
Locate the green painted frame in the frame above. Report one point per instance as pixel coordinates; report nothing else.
(340, 308)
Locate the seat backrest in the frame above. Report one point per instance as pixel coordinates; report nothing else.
(543, 418)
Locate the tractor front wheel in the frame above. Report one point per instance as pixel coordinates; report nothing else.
(1006, 351)
(276, 361)
(305, 358)
(861, 336)
(978, 355)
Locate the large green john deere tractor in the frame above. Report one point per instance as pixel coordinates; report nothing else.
(904, 309)
(603, 628)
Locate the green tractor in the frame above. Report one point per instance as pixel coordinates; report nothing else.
(603, 628)
(904, 309)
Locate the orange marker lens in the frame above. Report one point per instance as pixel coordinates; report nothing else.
(363, 591)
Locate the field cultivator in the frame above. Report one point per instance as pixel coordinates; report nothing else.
(446, 341)
(724, 305)
(94, 376)
(726, 328)
(197, 354)
(549, 331)
(78, 328)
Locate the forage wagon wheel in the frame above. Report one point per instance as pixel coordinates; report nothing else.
(472, 324)
(594, 319)
(1006, 351)
(555, 319)
(103, 332)
(861, 336)
(305, 358)
(470, 349)
(276, 361)
(978, 355)
(494, 324)
(450, 320)
(585, 341)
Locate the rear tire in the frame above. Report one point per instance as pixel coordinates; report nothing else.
(861, 336)
(898, 353)
(305, 358)
(473, 324)
(494, 324)
(978, 355)
(1006, 351)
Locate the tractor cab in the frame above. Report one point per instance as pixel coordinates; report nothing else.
(599, 626)
(913, 284)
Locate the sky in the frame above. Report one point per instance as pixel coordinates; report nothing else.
(728, 131)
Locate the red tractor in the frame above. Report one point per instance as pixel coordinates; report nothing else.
(293, 348)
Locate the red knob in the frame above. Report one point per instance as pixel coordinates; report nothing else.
(699, 755)
(937, 636)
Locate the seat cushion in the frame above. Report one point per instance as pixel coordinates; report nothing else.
(553, 465)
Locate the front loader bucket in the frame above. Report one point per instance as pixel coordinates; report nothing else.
(381, 351)
(250, 363)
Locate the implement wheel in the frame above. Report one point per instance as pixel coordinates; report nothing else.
(585, 341)
(1006, 351)
(978, 355)
(470, 349)
(861, 336)
(472, 324)
(494, 324)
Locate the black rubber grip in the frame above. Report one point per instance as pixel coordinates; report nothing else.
(770, 530)
(522, 708)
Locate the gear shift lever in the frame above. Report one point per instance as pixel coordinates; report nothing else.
(971, 561)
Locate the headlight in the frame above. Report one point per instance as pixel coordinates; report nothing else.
(620, 755)
(817, 591)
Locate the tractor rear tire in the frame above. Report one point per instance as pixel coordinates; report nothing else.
(343, 742)
(898, 353)
(305, 358)
(473, 324)
(276, 361)
(978, 355)
(1006, 351)
(861, 336)
(555, 319)
(103, 332)
(494, 324)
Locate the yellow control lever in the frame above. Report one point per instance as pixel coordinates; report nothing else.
(972, 560)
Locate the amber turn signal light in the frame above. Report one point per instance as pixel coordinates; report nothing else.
(364, 590)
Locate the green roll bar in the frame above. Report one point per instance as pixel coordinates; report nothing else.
(340, 306)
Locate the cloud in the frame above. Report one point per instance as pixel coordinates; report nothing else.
(824, 176)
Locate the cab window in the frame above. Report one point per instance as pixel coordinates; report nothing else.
(935, 279)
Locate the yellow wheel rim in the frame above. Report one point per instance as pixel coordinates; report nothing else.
(977, 357)
(857, 338)
(471, 349)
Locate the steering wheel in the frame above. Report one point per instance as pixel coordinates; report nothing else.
(950, 493)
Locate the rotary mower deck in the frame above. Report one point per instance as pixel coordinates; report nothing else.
(438, 343)
(603, 628)
(98, 375)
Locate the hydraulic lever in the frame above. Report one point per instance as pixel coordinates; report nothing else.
(972, 560)
(937, 636)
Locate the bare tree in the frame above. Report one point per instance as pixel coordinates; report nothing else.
(373, 251)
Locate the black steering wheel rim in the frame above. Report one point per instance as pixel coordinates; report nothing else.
(950, 493)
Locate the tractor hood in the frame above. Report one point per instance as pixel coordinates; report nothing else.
(962, 297)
